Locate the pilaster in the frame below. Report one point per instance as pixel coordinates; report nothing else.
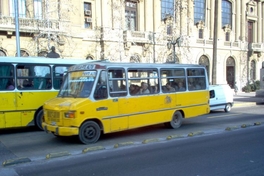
(238, 19)
(259, 31)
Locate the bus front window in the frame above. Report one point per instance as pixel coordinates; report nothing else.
(78, 84)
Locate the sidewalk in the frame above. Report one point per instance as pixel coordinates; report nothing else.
(244, 99)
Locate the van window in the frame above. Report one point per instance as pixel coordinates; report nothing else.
(212, 93)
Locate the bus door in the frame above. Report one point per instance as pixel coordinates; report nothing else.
(8, 114)
(31, 83)
(117, 93)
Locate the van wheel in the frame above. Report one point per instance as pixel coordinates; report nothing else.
(176, 120)
(39, 119)
(89, 132)
(228, 107)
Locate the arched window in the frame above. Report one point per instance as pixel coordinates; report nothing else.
(199, 11)
(205, 62)
(42, 54)
(230, 72)
(226, 13)
(170, 59)
(2, 53)
(23, 53)
(89, 58)
(135, 59)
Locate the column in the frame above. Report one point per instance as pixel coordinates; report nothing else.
(243, 20)
(259, 31)
(238, 19)
(212, 19)
(190, 16)
(219, 18)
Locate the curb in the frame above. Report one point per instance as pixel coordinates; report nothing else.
(174, 136)
(16, 161)
(257, 123)
(231, 128)
(195, 133)
(91, 149)
(122, 144)
(246, 125)
(56, 155)
(146, 141)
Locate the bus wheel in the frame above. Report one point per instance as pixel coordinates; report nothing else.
(89, 132)
(176, 120)
(228, 107)
(39, 119)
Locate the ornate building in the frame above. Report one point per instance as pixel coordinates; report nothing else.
(180, 31)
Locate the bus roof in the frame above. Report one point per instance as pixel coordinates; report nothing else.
(105, 65)
(42, 60)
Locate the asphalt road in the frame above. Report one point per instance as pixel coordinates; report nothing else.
(233, 153)
(29, 145)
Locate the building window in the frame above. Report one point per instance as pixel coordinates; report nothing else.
(87, 15)
(38, 9)
(201, 36)
(131, 16)
(21, 8)
(167, 9)
(199, 11)
(226, 13)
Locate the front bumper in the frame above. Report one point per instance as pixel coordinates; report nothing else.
(60, 131)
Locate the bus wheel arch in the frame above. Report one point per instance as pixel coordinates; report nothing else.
(90, 131)
(39, 118)
(176, 120)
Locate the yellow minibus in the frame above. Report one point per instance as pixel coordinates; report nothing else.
(25, 84)
(99, 98)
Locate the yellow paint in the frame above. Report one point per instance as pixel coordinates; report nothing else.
(18, 108)
(118, 114)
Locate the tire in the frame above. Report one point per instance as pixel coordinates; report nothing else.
(89, 132)
(39, 119)
(176, 120)
(228, 107)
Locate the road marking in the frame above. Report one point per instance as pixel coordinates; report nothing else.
(223, 116)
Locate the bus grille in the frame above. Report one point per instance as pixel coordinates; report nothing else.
(53, 116)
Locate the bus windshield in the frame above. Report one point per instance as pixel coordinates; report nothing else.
(78, 84)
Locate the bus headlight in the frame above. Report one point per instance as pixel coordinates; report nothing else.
(69, 114)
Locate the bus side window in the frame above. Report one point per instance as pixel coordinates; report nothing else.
(6, 77)
(117, 82)
(58, 74)
(101, 87)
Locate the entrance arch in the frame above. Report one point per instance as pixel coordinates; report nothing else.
(230, 72)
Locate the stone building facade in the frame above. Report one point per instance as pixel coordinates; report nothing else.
(180, 31)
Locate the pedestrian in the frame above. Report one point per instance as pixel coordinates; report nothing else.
(53, 53)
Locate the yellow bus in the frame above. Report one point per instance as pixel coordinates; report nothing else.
(25, 84)
(99, 98)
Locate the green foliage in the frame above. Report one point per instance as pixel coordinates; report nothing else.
(252, 87)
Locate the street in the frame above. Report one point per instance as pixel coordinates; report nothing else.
(230, 153)
(27, 146)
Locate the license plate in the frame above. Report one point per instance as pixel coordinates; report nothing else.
(53, 116)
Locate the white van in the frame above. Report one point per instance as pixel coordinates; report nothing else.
(221, 97)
